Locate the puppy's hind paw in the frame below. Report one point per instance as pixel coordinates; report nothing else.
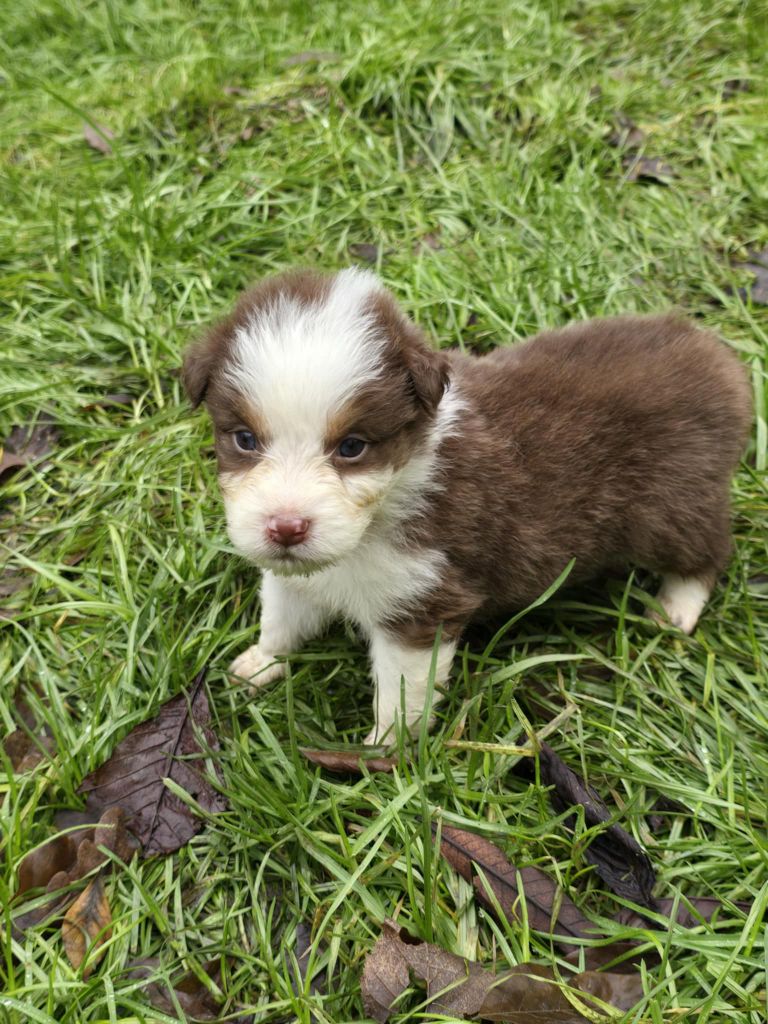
(683, 600)
(257, 667)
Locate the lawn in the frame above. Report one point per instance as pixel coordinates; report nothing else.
(473, 151)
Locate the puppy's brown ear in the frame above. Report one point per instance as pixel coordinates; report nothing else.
(196, 370)
(427, 368)
(201, 358)
(428, 372)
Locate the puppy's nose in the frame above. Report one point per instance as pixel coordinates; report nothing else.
(287, 530)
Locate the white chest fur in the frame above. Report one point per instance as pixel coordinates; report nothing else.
(376, 581)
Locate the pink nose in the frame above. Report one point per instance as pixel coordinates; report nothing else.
(287, 530)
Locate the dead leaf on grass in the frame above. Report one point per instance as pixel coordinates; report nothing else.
(757, 265)
(190, 992)
(365, 251)
(430, 241)
(67, 858)
(704, 909)
(647, 168)
(118, 398)
(349, 762)
(164, 747)
(617, 856)
(27, 445)
(734, 86)
(87, 926)
(310, 57)
(625, 133)
(25, 750)
(549, 909)
(526, 994)
(98, 137)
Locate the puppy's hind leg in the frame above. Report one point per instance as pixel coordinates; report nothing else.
(402, 670)
(288, 619)
(683, 599)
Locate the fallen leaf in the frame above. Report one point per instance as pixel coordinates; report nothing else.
(431, 240)
(302, 949)
(756, 264)
(549, 909)
(349, 762)
(118, 398)
(25, 750)
(661, 811)
(625, 134)
(12, 581)
(67, 858)
(97, 136)
(734, 86)
(647, 168)
(166, 746)
(617, 856)
(27, 445)
(526, 994)
(703, 909)
(191, 994)
(87, 925)
(38, 867)
(619, 957)
(310, 57)
(364, 251)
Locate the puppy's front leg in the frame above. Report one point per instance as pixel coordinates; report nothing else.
(392, 662)
(288, 619)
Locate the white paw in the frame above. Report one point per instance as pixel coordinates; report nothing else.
(683, 616)
(683, 600)
(256, 666)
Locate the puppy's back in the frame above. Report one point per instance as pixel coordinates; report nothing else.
(637, 369)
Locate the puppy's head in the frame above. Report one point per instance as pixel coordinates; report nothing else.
(321, 393)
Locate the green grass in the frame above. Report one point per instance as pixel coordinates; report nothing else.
(481, 122)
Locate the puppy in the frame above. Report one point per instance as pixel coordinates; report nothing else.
(411, 490)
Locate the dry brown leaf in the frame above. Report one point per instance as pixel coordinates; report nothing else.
(349, 762)
(27, 445)
(311, 57)
(647, 168)
(365, 251)
(526, 994)
(87, 926)
(25, 750)
(549, 909)
(617, 856)
(703, 909)
(166, 746)
(97, 136)
(626, 134)
(66, 859)
(118, 398)
(189, 991)
(757, 265)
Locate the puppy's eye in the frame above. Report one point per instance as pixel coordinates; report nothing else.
(245, 440)
(351, 447)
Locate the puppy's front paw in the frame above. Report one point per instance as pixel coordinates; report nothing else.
(256, 666)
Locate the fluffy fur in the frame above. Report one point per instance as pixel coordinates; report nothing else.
(611, 442)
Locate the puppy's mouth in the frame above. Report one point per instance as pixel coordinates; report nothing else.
(291, 562)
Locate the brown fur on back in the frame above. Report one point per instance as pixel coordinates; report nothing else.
(611, 441)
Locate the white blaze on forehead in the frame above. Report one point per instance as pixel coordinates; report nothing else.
(300, 361)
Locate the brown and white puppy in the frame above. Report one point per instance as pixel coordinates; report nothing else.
(410, 490)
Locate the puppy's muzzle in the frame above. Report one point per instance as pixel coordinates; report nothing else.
(287, 531)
